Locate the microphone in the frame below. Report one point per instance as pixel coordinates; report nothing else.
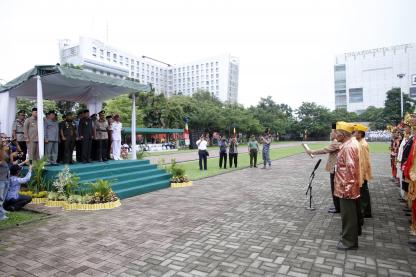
(317, 164)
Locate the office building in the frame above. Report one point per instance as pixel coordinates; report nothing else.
(363, 78)
(218, 75)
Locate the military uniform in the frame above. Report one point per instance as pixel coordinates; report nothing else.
(102, 139)
(68, 136)
(19, 135)
(51, 140)
(86, 133)
(30, 129)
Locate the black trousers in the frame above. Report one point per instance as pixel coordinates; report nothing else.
(102, 149)
(17, 204)
(78, 150)
(202, 159)
(365, 206)
(233, 159)
(67, 151)
(349, 235)
(223, 156)
(253, 157)
(94, 150)
(360, 218)
(335, 199)
(86, 149)
(23, 147)
(60, 157)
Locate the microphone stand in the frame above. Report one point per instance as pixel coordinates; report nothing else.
(309, 190)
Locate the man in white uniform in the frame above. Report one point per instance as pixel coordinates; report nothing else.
(116, 137)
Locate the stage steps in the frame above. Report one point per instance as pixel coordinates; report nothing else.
(128, 178)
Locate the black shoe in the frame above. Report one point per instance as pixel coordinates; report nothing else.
(412, 242)
(368, 216)
(407, 210)
(412, 247)
(341, 246)
(408, 214)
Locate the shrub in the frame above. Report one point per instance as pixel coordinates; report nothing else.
(38, 183)
(66, 182)
(178, 173)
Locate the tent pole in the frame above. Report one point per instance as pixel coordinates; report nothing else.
(133, 127)
(39, 99)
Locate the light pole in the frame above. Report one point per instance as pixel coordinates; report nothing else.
(400, 76)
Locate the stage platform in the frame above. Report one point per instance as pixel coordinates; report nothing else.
(128, 177)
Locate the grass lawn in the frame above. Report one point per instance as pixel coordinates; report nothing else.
(379, 147)
(193, 172)
(17, 218)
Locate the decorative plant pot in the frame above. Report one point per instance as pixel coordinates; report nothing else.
(54, 203)
(92, 207)
(181, 185)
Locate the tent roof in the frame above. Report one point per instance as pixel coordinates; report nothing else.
(154, 131)
(70, 84)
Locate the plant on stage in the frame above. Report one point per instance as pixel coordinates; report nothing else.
(102, 192)
(178, 173)
(161, 163)
(66, 183)
(38, 183)
(56, 196)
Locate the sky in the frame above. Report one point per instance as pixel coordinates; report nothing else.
(286, 48)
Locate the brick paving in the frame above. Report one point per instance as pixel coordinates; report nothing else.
(250, 222)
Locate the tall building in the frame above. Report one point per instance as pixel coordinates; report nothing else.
(218, 75)
(363, 78)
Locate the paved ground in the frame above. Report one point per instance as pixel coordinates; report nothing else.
(250, 222)
(191, 156)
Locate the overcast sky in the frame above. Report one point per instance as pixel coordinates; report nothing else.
(286, 48)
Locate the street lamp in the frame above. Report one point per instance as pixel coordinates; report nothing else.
(400, 76)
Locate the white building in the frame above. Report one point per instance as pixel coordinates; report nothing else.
(363, 78)
(218, 75)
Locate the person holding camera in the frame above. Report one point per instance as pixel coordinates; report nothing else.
(266, 141)
(223, 152)
(15, 201)
(4, 181)
(233, 152)
(253, 148)
(202, 152)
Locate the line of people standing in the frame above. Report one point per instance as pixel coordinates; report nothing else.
(228, 150)
(92, 138)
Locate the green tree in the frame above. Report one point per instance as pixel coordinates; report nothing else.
(343, 115)
(122, 105)
(153, 108)
(375, 116)
(315, 119)
(392, 106)
(27, 105)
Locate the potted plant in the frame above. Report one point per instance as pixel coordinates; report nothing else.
(37, 187)
(179, 178)
(64, 185)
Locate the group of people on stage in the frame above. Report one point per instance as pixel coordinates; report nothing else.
(93, 137)
(350, 170)
(403, 167)
(229, 148)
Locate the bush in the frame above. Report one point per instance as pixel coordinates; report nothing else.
(178, 173)
(102, 192)
(66, 182)
(38, 183)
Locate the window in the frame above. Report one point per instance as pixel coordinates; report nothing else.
(339, 67)
(355, 95)
(94, 50)
(101, 52)
(412, 92)
(217, 75)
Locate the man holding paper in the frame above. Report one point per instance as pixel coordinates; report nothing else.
(332, 151)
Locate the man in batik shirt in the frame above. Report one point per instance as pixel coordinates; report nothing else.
(347, 185)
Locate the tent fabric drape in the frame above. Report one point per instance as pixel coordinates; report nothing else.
(7, 114)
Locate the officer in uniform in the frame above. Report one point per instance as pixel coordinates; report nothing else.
(86, 134)
(61, 143)
(68, 134)
(18, 131)
(94, 143)
(30, 129)
(78, 143)
(109, 119)
(51, 137)
(102, 137)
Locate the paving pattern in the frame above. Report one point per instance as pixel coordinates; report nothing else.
(250, 222)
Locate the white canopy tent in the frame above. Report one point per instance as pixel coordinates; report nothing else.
(64, 83)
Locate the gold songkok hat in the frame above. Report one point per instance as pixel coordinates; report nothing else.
(360, 127)
(408, 119)
(345, 126)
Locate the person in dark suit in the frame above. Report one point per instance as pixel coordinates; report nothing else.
(86, 135)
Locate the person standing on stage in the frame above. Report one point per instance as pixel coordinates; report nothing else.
(347, 185)
(366, 172)
(253, 149)
(109, 119)
(332, 151)
(78, 143)
(30, 129)
(116, 137)
(87, 133)
(68, 134)
(18, 131)
(223, 152)
(102, 137)
(51, 138)
(60, 143)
